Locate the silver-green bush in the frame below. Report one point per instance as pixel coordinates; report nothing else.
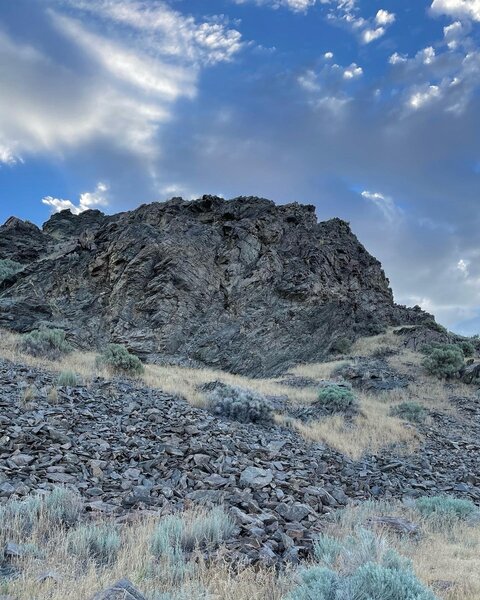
(410, 411)
(46, 343)
(445, 362)
(68, 379)
(120, 360)
(61, 506)
(445, 509)
(100, 542)
(359, 567)
(336, 398)
(240, 404)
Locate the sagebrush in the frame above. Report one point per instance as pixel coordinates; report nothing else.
(336, 398)
(240, 404)
(46, 343)
(118, 359)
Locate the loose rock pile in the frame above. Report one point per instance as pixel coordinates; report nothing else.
(126, 447)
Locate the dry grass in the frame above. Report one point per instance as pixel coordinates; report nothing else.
(75, 579)
(183, 381)
(317, 371)
(451, 555)
(366, 346)
(370, 431)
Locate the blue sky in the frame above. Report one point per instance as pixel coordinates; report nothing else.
(369, 109)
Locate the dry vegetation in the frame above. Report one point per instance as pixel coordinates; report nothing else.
(445, 555)
(372, 429)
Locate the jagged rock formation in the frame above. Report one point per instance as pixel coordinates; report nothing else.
(242, 285)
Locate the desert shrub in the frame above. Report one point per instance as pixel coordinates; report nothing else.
(444, 362)
(67, 379)
(336, 398)
(61, 506)
(47, 343)
(9, 267)
(445, 509)
(177, 534)
(341, 345)
(359, 567)
(240, 405)
(100, 542)
(410, 411)
(120, 360)
(467, 348)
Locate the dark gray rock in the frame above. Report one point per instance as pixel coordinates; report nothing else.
(243, 285)
(122, 590)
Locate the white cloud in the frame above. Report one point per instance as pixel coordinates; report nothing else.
(469, 9)
(383, 17)
(463, 265)
(294, 5)
(370, 35)
(453, 34)
(134, 61)
(328, 55)
(87, 201)
(397, 59)
(7, 156)
(384, 204)
(423, 97)
(352, 72)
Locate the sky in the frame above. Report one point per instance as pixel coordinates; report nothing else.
(369, 109)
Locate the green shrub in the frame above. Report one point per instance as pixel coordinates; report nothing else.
(410, 411)
(67, 379)
(341, 346)
(240, 405)
(467, 348)
(46, 343)
(118, 359)
(176, 534)
(359, 567)
(61, 506)
(9, 267)
(100, 542)
(444, 362)
(445, 508)
(336, 398)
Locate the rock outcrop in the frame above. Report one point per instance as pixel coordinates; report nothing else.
(243, 285)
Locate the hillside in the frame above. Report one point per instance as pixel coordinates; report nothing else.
(242, 285)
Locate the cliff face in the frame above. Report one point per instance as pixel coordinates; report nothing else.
(243, 285)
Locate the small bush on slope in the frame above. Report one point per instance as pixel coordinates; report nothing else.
(445, 510)
(240, 405)
(120, 360)
(100, 542)
(46, 343)
(410, 411)
(336, 398)
(67, 379)
(360, 567)
(444, 362)
(9, 267)
(59, 507)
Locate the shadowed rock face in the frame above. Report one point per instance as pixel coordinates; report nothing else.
(242, 285)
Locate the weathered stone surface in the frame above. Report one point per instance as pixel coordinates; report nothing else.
(243, 285)
(122, 590)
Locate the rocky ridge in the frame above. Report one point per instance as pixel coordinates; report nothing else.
(242, 285)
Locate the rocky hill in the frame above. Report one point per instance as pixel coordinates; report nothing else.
(242, 285)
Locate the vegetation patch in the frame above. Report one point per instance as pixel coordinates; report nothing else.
(68, 379)
(359, 567)
(445, 509)
(444, 361)
(93, 541)
(45, 343)
(410, 411)
(336, 398)
(240, 404)
(119, 360)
